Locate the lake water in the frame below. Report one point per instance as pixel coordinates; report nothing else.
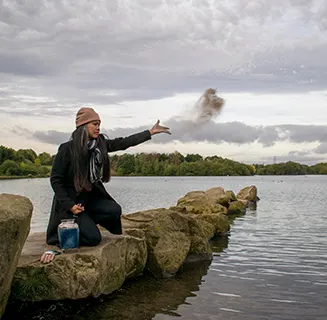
(273, 265)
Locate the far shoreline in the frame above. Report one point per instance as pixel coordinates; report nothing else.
(21, 177)
(186, 176)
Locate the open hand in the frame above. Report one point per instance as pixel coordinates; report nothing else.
(77, 208)
(47, 257)
(157, 128)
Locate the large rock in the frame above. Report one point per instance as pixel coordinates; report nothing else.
(88, 271)
(167, 238)
(15, 218)
(202, 228)
(206, 208)
(248, 193)
(215, 192)
(206, 217)
(236, 208)
(219, 222)
(245, 202)
(231, 195)
(199, 202)
(172, 236)
(218, 196)
(249, 197)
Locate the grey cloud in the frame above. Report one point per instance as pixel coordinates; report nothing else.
(240, 133)
(322, 148)
(232, 132)
(52, 136)
(299, 153)
(30, 102)
(305, 133)
(45, 112)
(30, 65)
(146, 49)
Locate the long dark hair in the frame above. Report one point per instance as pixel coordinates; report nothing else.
(81, 159)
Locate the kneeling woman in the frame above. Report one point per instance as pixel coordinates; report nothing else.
(80, 167)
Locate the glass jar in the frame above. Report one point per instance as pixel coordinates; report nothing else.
(68, 234)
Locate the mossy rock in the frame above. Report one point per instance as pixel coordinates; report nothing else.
(248, 193)
(199, 202)
(15, 218)
(223, 200)
(214, 193)
(231, 195)
(167, 238)
(79, 273)
(200, 208)
(33, 286)
(236, 207)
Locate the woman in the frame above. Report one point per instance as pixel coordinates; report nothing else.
(80, 167)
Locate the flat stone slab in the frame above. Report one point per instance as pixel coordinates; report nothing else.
(79, 273)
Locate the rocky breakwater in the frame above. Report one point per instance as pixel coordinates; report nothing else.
(158, 241)
(15, 218)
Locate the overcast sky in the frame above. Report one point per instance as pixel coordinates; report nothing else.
(141, 60)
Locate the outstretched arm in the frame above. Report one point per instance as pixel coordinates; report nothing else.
(135, 139)
(123, 143)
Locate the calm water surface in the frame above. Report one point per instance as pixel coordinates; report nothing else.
(273, 265)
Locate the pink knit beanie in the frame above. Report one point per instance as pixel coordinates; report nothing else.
(86, 115)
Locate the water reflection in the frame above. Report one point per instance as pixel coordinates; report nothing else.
(219, 244)
(143, 299)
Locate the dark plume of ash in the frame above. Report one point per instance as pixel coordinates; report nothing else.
(208, 106)
(198, 117)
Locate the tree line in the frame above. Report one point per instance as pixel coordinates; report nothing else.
(25, 162)
(176, 164)
(291, 168)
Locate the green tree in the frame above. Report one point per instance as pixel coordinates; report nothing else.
(193, 158)
(27, 154)
(171, 170)
(7, 154)
(45, 159)
(147, 168)
(43, 171)
(37, 162)
(126, 164)
(176, 158)
(10, 168)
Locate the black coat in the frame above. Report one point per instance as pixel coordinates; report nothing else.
(62, 181)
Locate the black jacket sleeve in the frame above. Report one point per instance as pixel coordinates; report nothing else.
(130, 141)
(57, 178)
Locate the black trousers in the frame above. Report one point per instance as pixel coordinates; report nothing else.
(100, 211)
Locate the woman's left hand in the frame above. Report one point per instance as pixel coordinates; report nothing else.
(157, 128)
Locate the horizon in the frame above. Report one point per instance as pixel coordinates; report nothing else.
(136, 62)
